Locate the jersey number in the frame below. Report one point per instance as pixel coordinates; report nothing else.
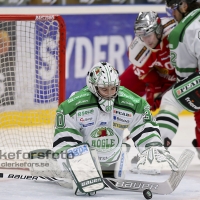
(147, 116)
(173, 58)
(60, 120)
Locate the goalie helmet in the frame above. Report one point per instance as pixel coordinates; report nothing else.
(146, 23)
(103, 75)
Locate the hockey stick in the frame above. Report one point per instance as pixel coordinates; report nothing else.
(165, 187)
(33, 178)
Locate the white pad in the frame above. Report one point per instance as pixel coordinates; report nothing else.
(96, 160)
(43, 163)
(82, 168)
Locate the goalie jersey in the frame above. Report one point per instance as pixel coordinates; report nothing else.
(80, 119)
(144, 59)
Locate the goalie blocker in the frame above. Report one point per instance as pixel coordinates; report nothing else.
(187, 92)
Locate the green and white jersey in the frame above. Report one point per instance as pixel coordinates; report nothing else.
(80, 119)
(184, 44)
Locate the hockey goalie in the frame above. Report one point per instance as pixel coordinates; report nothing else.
(89, 129)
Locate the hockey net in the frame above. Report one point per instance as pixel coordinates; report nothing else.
(32, 82)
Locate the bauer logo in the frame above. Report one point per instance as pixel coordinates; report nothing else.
(78, 151)
(136, 185)
(22, 177)
(91, 182)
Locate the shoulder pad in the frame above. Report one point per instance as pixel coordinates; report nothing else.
(81, 98)
(127, 97)
(168, 24)
(138, 52)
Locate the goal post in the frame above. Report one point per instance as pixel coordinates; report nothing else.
(32, 80)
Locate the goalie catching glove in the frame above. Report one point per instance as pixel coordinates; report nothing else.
(155, 159)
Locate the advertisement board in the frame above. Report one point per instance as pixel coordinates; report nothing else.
(94, 38)
(94, 33)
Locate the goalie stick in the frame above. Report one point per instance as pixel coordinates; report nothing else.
(165, 187)
(34, 178)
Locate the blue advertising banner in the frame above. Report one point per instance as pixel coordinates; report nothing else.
(94, 38)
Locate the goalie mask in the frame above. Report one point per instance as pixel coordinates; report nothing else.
(103, 81)
(146, 23)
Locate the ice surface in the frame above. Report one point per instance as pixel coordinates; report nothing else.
(189, 188)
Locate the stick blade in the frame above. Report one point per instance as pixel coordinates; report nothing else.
(166, 187)
(183, 164)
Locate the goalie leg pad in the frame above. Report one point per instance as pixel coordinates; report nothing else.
(44, 163)
(96, 160)
(82, 168)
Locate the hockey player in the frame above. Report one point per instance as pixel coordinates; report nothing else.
(184, 43)
(97, 115)
(150, 73)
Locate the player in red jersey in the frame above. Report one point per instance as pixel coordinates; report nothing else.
(150, 72)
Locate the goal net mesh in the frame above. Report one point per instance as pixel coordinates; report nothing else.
(30, 84)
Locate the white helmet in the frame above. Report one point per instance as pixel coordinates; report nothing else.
(102, 75)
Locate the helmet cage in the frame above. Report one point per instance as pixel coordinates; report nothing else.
(110, 97)
(103, 75)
